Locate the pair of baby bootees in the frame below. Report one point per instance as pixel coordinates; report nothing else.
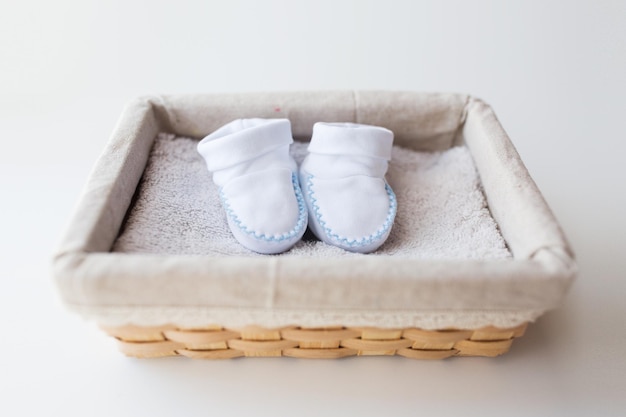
(339, 191)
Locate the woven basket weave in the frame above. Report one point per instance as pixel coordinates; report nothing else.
(324, 343)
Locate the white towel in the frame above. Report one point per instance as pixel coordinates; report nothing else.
(442, 212)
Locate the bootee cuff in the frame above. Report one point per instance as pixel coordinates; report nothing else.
(350, 204)
(259, 188)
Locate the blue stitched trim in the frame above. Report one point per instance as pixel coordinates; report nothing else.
(391, 214)
(302, 214)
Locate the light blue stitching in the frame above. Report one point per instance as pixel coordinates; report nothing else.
(391, 214)
(302, 214)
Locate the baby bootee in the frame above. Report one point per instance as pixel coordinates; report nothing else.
(256, 176)
(343, 181)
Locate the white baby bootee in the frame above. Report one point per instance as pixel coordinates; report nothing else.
(343, 180)
(259, 189)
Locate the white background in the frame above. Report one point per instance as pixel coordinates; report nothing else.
(554, 71)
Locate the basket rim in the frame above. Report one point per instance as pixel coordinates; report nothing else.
(537, 279)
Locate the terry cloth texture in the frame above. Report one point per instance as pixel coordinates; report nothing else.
(442, 213)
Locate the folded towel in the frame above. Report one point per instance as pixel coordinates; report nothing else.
(442, 212)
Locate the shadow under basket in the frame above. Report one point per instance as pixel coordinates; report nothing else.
(170, 280)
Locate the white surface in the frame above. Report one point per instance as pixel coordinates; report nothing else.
(553, 71)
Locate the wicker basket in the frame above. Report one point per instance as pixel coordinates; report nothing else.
(297, 342)
(232, 306)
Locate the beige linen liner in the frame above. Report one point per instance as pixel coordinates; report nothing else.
(117, 289)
